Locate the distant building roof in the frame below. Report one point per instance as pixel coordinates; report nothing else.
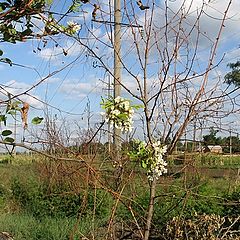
(214, 148)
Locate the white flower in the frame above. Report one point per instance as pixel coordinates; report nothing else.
(130, 129)
(126, 105)
(117, 99)
(116, 112)
(131, 111)
(111, 123)
(150, 178)
(75, 27)
(158, 167)
(163, 150)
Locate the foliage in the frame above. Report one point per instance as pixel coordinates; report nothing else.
(15, 13)
(211, 138)
(39, 205)
(16, 19)
(7, 139)
(233, 77)
(36, 199)
(204, 201)
(150, 157)
(232, 203)
(3, 119)
(235, 142)
(11, 109)
(37, 120)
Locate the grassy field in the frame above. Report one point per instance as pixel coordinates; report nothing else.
(49, 200)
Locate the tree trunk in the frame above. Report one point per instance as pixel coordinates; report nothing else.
(150, 209)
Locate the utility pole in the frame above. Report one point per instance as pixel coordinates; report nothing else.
(15, 132)
(109, 126)
(230, 139)
(117, 68)
(194, 135)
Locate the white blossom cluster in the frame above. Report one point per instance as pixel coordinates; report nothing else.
(73, 27)
(120, 114)
(158, 166)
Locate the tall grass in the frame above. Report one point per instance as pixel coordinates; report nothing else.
(26, 227)
(45, 200)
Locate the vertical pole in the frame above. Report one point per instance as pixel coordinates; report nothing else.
(194, 135)
(15, 133)
(230, 141)
(109, 126)
(117, 68)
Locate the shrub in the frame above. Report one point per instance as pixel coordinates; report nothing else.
(232, 203)
(200, 227)
(35, 198)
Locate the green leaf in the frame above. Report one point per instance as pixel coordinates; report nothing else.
(137, 107)
(37, 120)
(12, 112)
(143, 164)
(3, 119)
(49, 2)
(6, 60)
(6, 133)
(9, 140)
(27, 32)
(4, 5)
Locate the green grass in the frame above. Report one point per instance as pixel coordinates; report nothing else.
(23, 191)
(207, 160)
(218, 161)
(19, 219)
(26, 227)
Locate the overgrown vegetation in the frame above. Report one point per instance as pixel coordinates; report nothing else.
(37, 205)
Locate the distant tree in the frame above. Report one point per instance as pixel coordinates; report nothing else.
(235, 144)
(233, 77)
(211, 138)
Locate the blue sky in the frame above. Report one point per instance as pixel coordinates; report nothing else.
(84, 82)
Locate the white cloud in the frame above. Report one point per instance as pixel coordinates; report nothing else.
(14, 87)
(52, 54)
(58, 54)
(73, 89)
(213, 12)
